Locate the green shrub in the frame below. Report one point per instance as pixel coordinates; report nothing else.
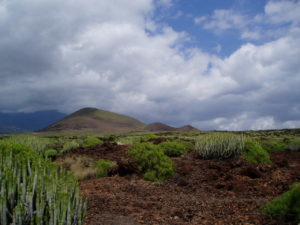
(69, 146)
(34, 191)
(254, 153)
(294, 145)
(111, 138)
(92, 142)
(51, 153)
(173, 148)
(219, 145)
(102, 166)
(147, 137)
(273, 144)
(286, 205)
(152, 162)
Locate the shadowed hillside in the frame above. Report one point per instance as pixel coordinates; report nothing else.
(24, 122)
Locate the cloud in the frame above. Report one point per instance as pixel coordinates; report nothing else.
(277, 19)
(113, 55)
(222, 19)
(283, 12)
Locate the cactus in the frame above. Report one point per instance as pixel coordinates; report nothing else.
(36, 192)
(219, 145)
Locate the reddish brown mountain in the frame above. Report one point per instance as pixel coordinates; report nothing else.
(96, 121)
(159, 127)
(187, 128)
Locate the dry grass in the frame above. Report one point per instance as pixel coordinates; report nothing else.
(81, 166)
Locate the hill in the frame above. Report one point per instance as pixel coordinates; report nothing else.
(159, 127)
(23, 122)
(187, 128)
(96, 120)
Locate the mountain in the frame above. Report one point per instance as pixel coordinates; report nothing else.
(159, 127)
(164, 127)
(187, 128)
(96, 120)
(23, 122)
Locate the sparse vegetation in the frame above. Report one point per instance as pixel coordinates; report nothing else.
(147, 137)
(273, 144)
(69, 146)
(81, 167)
(150, 160)
(286, 205)
(153, 163)
(92, 142)
(173, 148)
(102, 167)
(219, 145)
(254, 153)
(51, 153)
(34, 191)
(294, 145)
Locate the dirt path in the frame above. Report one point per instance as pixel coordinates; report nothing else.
(200, 192)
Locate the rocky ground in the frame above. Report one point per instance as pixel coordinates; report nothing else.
(200, 192)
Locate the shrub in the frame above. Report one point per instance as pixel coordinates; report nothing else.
(81, 167)
(286, 205)
(147, 137)
(294, 145)
(152, 162)
(102, 166)
(92, 142)
(273, 144)
(70, 145)
(254, 153)
(173, 148)
(111, 138)
(51, 153)
(219, 145)
(34, 191)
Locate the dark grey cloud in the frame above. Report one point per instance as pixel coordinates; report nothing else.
(70, 54)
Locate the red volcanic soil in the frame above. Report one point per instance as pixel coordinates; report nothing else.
(200, 192)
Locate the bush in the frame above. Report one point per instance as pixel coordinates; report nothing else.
(152, 162)
(173, 148)
(219, 145)
(92, 142)
(254, 153)
(286, 206)
(102, 166)
(294, 145)
(51, 153)
(147, 137)
(273, 144)
(111, 138)
(81, 167)
(69, 146)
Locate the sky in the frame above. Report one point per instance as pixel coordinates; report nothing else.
(225, 65)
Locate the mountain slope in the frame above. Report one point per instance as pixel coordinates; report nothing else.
(22, 122)
(187, 128)
(96, 120)
(159, 127)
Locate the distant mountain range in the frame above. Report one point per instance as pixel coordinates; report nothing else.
(23, 122)
(84, 120)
